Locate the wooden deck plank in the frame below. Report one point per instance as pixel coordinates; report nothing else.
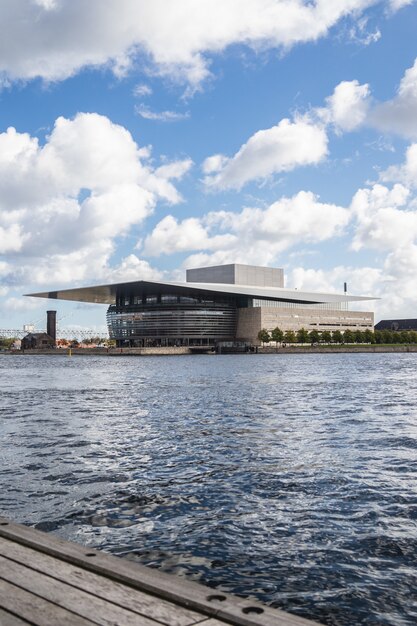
(100, 586)
(209, 603)
(37, 610)
(79, 602)
(8, 619)
(212, 621)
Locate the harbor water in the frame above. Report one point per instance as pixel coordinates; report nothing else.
(287, 478)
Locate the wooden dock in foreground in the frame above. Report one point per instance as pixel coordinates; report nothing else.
(46, 581)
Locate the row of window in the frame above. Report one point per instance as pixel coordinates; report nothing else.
(345, 318)
(154, 299)
(178, 322)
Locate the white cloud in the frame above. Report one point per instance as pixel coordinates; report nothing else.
(304, 140)
(382, 219)
(142, 90)
(214, 163)
(395, 5)
(290, 144)
(285, 221)
(160, 116)
(399, 115)
(386, 220)
(20, 304)
(347, 107)
(133, 268)
(278, 149)
(397, 288)
(64, 205)
(407, 172)
(360, 34)
(11, 239)
(176, 39)
(170, 236)
(4, 268)
(48, 5)
(174, 170)
(393, 282)
(360, 280)
(251, 236)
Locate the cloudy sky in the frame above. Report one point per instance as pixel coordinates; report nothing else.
(140, 138)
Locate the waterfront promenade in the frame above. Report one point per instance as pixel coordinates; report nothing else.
(293, 349)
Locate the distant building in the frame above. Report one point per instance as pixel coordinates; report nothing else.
(34, 341)
(405, 324)
(216, 304)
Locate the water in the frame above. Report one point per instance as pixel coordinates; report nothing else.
(288, 478)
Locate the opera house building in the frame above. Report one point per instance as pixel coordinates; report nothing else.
(226, 303)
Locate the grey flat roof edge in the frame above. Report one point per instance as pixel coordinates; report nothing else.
(106, 294)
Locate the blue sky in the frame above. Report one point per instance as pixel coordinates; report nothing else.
(138, 139)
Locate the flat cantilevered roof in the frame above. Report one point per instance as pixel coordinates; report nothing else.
(106, 294)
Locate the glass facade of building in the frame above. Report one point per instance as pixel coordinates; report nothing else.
(155, 319)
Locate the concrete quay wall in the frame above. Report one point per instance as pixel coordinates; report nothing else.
(337, 349)
(364, 349)
(105, 351)
(148, 351)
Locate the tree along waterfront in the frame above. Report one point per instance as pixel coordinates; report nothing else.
(315, 337)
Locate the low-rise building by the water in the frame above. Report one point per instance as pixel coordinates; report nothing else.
(225, 303)
(397, 325)
(34, 340)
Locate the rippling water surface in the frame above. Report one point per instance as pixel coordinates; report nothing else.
(289, 478)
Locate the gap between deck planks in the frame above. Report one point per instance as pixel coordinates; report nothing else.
(46, 581)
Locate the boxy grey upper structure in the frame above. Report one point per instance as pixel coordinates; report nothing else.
(237, 274)
(224, 303)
